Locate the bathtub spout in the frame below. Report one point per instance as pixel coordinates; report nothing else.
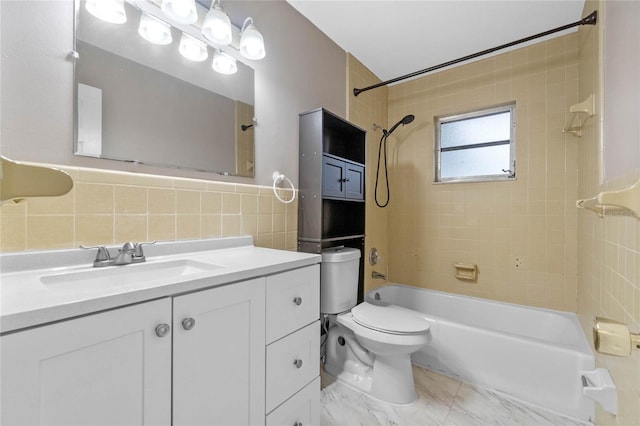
(378, 276)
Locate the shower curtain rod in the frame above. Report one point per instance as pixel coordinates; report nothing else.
(589, 20)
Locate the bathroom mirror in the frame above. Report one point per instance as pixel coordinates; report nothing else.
(145, 103)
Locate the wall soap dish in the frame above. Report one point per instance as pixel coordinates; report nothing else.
(585, 109)
(625, 202)
(466, 271)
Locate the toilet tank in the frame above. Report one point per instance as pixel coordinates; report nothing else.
(339, 279)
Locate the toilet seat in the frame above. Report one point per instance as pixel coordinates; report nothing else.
(389, 319)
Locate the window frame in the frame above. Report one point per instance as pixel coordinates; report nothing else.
(484, 112)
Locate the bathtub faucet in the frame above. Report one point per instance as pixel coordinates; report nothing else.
(378, 276)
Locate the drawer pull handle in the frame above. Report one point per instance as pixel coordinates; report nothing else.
(162, 330)
(297, 363)
(297, 300)
(188, 323)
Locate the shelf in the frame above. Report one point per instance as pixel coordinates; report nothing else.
(328, 240)
(580, 113)
(18, 181)
(625, 202)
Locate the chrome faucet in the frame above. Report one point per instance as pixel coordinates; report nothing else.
(129, 253)
(378, 276)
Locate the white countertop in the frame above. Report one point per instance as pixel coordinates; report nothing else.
(26, 301)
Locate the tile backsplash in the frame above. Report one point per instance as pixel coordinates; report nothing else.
(107, 207)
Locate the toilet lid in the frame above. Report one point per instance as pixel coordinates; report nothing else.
(389, 319)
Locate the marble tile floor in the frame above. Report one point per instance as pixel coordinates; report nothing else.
(442, 401)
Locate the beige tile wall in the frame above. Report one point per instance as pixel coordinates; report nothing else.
(609, 286)
(608, 248)
(364, 110)
(521, 234)
(107, 207)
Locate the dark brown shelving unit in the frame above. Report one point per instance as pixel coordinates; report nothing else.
(331, 208)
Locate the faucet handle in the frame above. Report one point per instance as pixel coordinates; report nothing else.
(102, 257)
(129, 247)
(137, 250)
(139, 246)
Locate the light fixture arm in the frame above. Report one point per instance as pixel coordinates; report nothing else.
(246, 23)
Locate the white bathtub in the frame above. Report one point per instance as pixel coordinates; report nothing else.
(532, 354)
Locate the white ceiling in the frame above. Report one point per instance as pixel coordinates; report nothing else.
(394, 38)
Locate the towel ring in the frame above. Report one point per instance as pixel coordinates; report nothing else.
(277, 179)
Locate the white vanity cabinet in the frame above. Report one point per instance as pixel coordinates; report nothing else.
(115, 367)
(108, 368)
(233, 344)
(293, 347)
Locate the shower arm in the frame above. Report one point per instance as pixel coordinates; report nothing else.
(592, 19)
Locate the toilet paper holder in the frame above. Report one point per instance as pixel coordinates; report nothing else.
(598, 385)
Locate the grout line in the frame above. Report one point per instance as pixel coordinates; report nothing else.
(453, 401)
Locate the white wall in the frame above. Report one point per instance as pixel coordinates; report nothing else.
(621, 89)
(303, 70)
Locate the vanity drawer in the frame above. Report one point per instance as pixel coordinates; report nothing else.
(292, 362)
(293, 301)
(302, 408)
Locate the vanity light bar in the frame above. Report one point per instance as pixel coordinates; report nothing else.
(151, 8)
(155, 26)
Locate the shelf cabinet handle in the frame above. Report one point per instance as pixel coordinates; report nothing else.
(188, 323)
(298, 363)
(297, 424)
(162, 330)
(297, 300)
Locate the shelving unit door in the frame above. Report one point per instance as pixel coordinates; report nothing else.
(354, 175)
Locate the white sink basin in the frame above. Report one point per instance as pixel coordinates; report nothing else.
(118, 276)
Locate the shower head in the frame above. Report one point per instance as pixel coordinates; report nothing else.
(405, 120)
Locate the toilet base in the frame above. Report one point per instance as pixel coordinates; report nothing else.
(393, 380)
(388, 379)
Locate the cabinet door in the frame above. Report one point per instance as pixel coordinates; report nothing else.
(354, 187)
(219, 359)
(333, 177)
(109, 368)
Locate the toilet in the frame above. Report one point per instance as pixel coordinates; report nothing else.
(368, 346)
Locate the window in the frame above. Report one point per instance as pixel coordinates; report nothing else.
(476, 146)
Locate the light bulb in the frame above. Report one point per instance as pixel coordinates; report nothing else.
(111, 11)
(217, 26)
(181, 11)
(154, 30)
(251, 41)
(192, 48)
(223, 63)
